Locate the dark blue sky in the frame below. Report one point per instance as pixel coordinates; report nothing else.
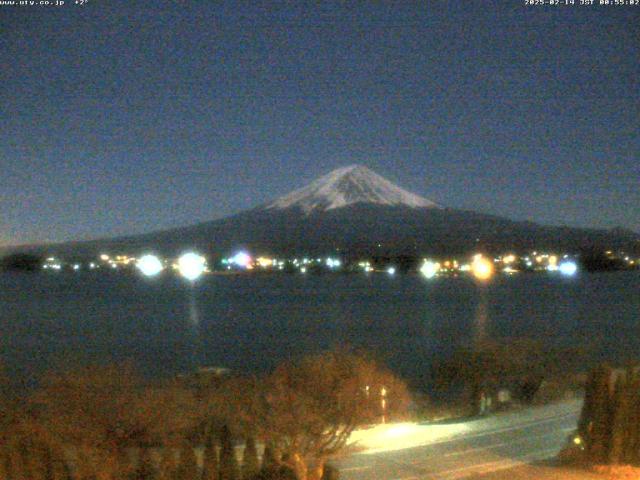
(125, 117)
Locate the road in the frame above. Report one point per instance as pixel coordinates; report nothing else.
(462, 450)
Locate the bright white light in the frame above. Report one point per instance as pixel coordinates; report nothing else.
(332, 262)
(391, 270)
(241, 259)
(303, 270)
(76, 267)
(398, 436)
(191, 265)
(149, 265)
(568, 268)
(429, 269)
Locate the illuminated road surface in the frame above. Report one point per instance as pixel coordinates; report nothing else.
(462, 450)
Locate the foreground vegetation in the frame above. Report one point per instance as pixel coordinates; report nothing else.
(513, 373)
(107, 423)
(606, 444)
(609, 424)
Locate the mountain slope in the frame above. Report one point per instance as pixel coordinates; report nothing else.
(356, 212)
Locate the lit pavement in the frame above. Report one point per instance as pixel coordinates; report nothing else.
(461, 450)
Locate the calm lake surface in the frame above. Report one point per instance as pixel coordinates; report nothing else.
(251, 322)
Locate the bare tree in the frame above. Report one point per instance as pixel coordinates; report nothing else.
(311, 407)
(522, 363)
(86, 423)
(99, 414)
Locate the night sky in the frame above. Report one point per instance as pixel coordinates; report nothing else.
(126, 117)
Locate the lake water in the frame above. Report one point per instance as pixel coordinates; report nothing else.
(251, 322)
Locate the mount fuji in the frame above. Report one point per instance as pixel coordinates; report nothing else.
(348, 186)
(355, 211)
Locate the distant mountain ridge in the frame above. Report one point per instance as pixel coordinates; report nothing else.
(355, 211)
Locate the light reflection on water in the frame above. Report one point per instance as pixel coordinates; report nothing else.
(251, 323)
(481, 319)
(194, 325)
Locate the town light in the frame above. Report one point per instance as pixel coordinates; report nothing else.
(568, 268)
(429, 269)
(509, 258)
(241, 259)
(265, 262)
(481, 268)
(332, 262)
(149, 265)
(191, 265)
(391, 271)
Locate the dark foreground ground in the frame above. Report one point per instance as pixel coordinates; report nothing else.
(540, 472)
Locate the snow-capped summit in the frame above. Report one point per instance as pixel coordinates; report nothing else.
(346, 186)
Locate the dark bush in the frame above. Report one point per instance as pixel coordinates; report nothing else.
(24, 262)
(275, 473)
